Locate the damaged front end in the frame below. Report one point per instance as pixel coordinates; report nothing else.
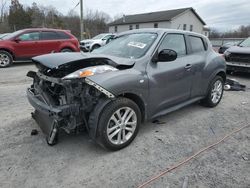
(64, 96)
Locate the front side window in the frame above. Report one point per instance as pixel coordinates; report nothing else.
(131, 46)
(30, 36)
(174, 42)
(49, 35)
(197, 44)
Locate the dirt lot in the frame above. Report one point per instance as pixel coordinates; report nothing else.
(27, 161)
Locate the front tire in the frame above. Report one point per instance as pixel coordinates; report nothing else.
(215, 92)
(118, 124)
(96, 46)
(6, 59)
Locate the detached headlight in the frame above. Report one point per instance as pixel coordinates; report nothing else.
(90, 71)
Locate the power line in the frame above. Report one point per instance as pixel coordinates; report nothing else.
(75, 6)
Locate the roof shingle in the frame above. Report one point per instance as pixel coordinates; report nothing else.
(152, 17)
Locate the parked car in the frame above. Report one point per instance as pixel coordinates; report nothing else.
(238, 57)
(27, 43)
(3, 35)
(89, 45)
(227, 45)
(139, 76)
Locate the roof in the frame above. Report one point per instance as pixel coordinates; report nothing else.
(160, 31)
(167, 15)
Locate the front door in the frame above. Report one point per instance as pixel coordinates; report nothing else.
(28, 45)
(170, 82)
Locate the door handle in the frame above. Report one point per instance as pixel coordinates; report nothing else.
(188, 66)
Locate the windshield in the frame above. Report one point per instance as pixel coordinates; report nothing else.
(131, 46)
(11, 35)
(99, 36)
(245, 43)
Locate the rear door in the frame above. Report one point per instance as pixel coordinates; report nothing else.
(198, 57)
(28, 45)
(50, 42)
(170, 82)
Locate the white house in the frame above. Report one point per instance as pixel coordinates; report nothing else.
(185, 19)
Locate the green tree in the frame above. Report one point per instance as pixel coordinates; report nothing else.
(19, 18)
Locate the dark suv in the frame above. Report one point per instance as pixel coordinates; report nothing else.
(140, 75)
(27, 43)
(238, 57)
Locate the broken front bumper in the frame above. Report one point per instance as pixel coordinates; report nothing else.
(240, 67)
(46, 115)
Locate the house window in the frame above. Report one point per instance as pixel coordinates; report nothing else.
(155, 25)
(115, 29)
(130, 27)
(191, 27)
(184, 26)
(137, 26)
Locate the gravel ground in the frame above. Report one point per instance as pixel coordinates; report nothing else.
(27, 161)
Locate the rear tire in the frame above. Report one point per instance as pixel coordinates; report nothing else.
(66, 50)
(215, 92)
(118, 124)
(6, 59)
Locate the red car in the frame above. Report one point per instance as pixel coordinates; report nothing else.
(27, 43)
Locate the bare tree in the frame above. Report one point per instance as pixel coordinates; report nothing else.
(3, 6)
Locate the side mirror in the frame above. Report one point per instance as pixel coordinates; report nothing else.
(17, 40)
(167, 55)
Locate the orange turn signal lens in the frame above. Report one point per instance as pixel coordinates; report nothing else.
(86, 73)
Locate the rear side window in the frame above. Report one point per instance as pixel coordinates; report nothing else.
(62, 35)
(197, 44)
(174, 42)
(49, 35)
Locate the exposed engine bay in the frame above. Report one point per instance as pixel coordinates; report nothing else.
(66, 103)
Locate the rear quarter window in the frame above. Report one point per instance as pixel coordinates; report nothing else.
(63, 35)
(197, 44)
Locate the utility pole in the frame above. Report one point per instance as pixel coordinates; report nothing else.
(81, 20)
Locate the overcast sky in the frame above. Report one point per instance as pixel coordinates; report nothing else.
(222, 14)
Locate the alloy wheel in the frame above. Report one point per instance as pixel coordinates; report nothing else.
(4, 60)
(121, 125)
(216, 91)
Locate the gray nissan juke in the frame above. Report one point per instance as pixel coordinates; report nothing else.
(140, 75)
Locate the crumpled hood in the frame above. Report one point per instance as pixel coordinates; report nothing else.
(57, 60)
(239, 50)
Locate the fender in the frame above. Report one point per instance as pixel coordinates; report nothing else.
(8, 50)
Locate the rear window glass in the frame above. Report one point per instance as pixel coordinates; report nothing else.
(197, 44)
(48, 35)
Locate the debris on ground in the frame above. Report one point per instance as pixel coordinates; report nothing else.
(234, 85)
(245, 157)
(185, 182)
(34, 132)
(156, 121)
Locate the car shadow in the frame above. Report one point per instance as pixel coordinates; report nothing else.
(81, 141)
(22, 63)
